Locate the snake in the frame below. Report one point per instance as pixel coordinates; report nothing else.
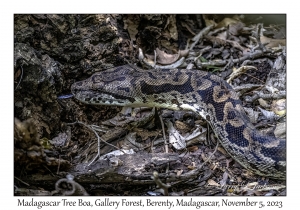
(204, 93)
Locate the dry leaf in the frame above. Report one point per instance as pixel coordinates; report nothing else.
(187, 27)
(235, 28)
(224, 179)
(172, 28)
(222, 150)
(145, 134)
(279, 107)
(212, 183)
(191, 167)
(192, 148)
(269, 115)
(272, 42)
(178, 172)
(181, 126)
(227, 21)
(253, 115)
(17, 74)
(280, 130)
(131, 23)
(218, 40)
(263, 103)
(166, 59)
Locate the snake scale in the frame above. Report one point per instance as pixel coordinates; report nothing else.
(206, 94)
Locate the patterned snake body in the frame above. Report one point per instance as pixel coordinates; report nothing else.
(204, 93)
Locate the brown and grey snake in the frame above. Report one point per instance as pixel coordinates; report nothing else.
(206, 94)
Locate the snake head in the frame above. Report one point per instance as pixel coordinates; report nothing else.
(110, 87)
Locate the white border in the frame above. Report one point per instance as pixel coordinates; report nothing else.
(8, 8)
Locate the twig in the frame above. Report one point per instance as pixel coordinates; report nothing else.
(160, 184)
(200, 35)
(131, 137)
(195, 172)
(98, 139)
(58, 165)
(202, 51)
(258, 33)
(48, 170)
(20, 78)
(208, 64)
(21, 181)
(155, 55)
(255, 78)
(278, 95)
(239, 71)
(208, 159)
(164, 134)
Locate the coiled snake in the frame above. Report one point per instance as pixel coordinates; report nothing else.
(199, 91)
